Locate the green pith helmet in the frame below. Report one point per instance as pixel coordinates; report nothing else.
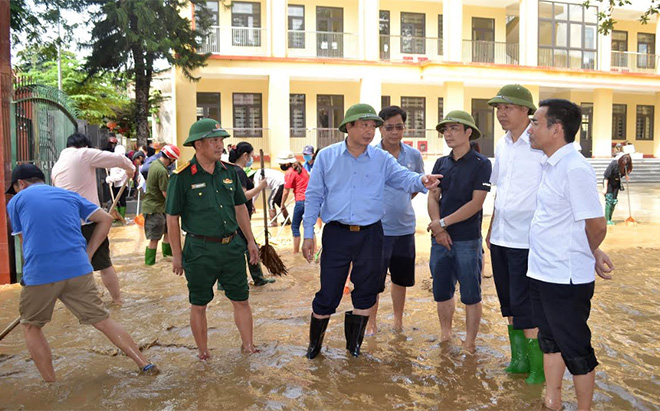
(204, 128)
(360, 112)
(462, 117)
(514, 94)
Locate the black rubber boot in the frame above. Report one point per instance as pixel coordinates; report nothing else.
(316, 333)
(354, 327)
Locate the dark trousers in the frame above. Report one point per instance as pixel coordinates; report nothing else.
(341, 248)
(512, 284)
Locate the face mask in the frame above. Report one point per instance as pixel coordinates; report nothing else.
(249, 162)
(284, 167)
(307, 157)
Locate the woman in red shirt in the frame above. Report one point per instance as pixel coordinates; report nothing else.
(296, 178)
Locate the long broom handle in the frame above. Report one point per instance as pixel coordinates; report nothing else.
(263, 195)
(10, 327)
(121, 191)
(628, 193)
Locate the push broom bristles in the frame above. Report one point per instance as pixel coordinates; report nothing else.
(267, 253)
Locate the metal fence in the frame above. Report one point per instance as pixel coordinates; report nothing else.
(326, 44)
(634, 62)
(236, 41)
(478, 51)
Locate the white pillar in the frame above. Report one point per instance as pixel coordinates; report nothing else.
(454, 100)
(278, 27)
(278, 112)
(370, 91)
(452, 22)
(656, 125)
(602, 123)
(368, 34)
(657, 48)
(529, 32)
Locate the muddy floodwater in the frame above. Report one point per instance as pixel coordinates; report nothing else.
(406, 370)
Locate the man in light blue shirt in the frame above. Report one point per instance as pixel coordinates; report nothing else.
(399, 221)
(347, 189)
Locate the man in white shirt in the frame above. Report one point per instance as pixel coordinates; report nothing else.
(567, 228)
(517, 175)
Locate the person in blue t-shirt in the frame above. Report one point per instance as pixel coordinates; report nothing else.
(57, 264)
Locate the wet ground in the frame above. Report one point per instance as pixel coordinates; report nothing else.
(408, 370)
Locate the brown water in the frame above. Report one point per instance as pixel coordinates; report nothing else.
(395, 371)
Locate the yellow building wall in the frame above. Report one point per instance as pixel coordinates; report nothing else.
(634, 27)
(498, 14)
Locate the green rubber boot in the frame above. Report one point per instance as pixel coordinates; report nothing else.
(609, 210)
(519, 362)
(167, 249)
(536, 374)
(150, 256)
(122, 211)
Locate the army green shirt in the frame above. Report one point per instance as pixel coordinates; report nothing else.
(205, 201)
(157, 179)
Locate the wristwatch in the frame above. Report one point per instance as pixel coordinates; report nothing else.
(442, 223)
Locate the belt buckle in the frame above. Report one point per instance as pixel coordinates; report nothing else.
(226, 240)
(354, 228)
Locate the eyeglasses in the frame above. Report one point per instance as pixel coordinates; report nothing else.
(397, 127)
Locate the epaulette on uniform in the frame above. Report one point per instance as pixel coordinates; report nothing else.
(181, 167)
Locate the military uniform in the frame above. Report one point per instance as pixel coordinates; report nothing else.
(212, 251)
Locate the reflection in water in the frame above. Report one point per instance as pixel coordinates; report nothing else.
(404, 370)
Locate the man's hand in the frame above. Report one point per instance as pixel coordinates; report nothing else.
(435, 228)
(262, 184)
(308, 249)
(604, 265)
(488, 239)
(177, 267)
(431, 181)
(254, 253)
(444, 239)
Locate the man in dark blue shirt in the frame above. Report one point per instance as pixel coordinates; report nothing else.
(455, 208)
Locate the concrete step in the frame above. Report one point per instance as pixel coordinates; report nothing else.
(646, 170)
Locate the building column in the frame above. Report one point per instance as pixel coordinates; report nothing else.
(454, 99)
(657, 47)
(602, 123)
(368, 34)
(452, 23)
(278, 113)
(370, 91)
(604, 52)
(278, 27)
(529, 32)
(656, 125)
(184, 97)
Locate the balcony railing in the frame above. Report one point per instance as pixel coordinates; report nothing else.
(634, 62)
(478, 51)
(410, 48)
(563, 58)
(236, 41)
(325, 44)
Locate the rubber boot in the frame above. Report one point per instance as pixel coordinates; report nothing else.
(122, 211)
(519, 362)
(354, 327)
(150, 256)
(258, 275)
(167, 249)
(608, 213)
(536, 374)
(317, 329)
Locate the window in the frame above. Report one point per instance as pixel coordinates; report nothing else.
(296, 27)
(644, 129)
(619, 121)
(208, 106)
(297, 115)
(483, 40)
(619, 48)
(646, 50)
(330, 114)
(413, 33)
(567, 35)
(212, 9)
(246, 24)
(384, 32)
(384, 102)
(211, 40)
(247, 115)
(440, 36)
(441, 109)
(416, 121)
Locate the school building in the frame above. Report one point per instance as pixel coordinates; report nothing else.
(282, 73)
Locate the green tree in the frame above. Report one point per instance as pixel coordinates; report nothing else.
(130, 36)
(97, 99)
(605, 21)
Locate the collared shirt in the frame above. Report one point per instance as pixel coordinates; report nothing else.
(350, 190)
(399, 216)
(559, 251)
(205, 201)
(517, 175)
(75, 169)
(157, 180)
(460, 179)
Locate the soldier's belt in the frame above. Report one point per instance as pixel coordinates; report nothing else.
(223, 240)
(352, 227)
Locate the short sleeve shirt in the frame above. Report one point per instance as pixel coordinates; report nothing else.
(559, 250)
(460, 179)
(205, 201)
(297, 181)
(48, 218)
(247, 184)
(154, 201)
(613, 176)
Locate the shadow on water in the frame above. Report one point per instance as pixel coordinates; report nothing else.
(397, 370)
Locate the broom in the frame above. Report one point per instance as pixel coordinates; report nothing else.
(113, 208)
(10, 327)
(267, 253)
(625, 167)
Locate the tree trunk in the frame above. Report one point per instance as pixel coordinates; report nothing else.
(142, 85)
